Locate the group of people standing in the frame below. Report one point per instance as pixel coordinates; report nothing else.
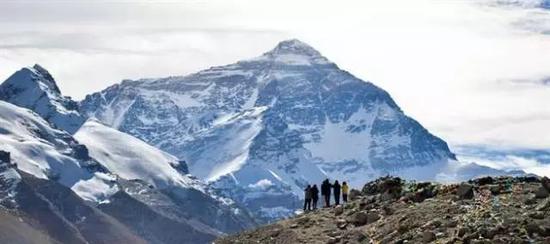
(311, 194)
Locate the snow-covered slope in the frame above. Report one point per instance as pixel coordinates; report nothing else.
(48, 153)
(158, 180)
(261, 129)
(34, 88)
(131, 158)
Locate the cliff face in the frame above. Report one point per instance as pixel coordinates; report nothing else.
(389, 210)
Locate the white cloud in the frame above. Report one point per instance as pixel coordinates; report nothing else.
(529, 165)
(453, 65)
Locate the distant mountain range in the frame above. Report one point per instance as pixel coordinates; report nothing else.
(187, 159)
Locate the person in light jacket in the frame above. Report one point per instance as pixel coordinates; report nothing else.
(345, 191)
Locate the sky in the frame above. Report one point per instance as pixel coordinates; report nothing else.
(472, 72)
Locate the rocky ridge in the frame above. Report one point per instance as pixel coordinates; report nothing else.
(390, 210)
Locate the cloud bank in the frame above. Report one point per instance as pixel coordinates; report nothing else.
(472, 72)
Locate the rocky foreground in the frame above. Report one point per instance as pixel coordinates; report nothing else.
(390, 210)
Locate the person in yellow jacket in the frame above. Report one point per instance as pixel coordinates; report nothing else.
(345, 190)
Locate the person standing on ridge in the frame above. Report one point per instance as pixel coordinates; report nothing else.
(345, 190)
(314, 196)
(325, 191)
(307, 200)
(336, 188)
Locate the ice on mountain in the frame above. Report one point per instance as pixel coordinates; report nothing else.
(48, 153)
(129, 157)
(97, 189)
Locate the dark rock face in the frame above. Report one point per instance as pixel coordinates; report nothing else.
(64, 217)
(181, 167)
(16, 228)
(173, 215)
(154, 227)
(81, 152)
(5, 157)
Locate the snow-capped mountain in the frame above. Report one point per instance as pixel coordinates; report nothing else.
(34, 88)
(259, 130)
(49, 153)
(110, 169)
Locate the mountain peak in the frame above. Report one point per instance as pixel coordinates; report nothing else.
(295, 52)
(34, 88)
(44, 76)
(294, 46)
(35, 77)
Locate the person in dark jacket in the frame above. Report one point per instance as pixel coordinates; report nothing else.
(325, 191)
(314, 196)
(307, 198)
(336, 188)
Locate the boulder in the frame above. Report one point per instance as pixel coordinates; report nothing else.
(541, 192)
(356, 236)
(341, 223)
(545, 182)
(358, 219)
(484, 181)
(389, 185)
(372, 217)
(428, 236)
(465, 191)
(338, 210)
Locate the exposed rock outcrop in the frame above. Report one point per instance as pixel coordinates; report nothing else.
(390, 210)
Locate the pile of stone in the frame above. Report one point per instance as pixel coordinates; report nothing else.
(391, 210)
